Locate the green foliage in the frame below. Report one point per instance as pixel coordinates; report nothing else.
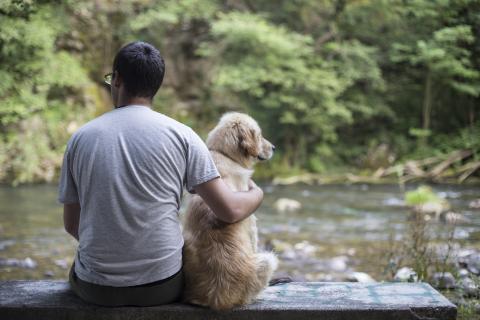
(35, 76)
(421, 195)
(446, 57)
(278, 74)
(329, 81)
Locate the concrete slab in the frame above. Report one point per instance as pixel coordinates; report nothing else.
(51, 300)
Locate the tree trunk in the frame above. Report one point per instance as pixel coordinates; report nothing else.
(427, 102)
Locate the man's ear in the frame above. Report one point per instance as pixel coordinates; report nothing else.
(117, 80)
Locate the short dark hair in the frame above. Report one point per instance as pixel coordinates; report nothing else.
(141, 67)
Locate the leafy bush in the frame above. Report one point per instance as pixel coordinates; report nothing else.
(421, 195)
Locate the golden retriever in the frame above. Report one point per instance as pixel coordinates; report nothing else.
(222, 265)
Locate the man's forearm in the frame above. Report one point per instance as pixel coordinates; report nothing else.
(247, 202)
(230, 206)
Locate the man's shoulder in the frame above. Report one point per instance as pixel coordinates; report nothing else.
(174, 125)
(92, 127)
(101, 125)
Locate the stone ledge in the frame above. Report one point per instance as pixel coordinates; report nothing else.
(51, 299)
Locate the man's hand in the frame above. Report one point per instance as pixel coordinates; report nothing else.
(71, 218)
(227, 205)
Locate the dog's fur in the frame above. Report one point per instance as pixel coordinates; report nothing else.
(221, 264)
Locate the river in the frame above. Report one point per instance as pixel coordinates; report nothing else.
(338, 230)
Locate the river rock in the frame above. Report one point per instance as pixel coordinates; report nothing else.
(27, 263)
(443, 280)
(338, 264)
(469, 287)
(288, 254)
(268, 189)
(305, 248)
(6, 243)
(431, 208)
(471, 262)
(451, 217)
(62, 263)
(360, 277)
(406, 274)
(306, 193)
(49, 274)
(285, 204)
(474, 204)
(394, 202)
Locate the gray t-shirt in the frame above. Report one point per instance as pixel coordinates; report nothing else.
(127, 169)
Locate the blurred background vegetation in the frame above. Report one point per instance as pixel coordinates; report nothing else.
(359, 89)
(331, 82)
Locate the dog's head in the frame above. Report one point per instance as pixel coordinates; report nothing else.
(239, 137)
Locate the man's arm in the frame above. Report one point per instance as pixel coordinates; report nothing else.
(71, 218)
(230, 206)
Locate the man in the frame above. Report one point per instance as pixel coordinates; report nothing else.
(121, 185)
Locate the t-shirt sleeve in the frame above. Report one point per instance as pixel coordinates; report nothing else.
(67, 189)
(200, 165)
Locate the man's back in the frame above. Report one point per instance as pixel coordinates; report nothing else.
(130, 166)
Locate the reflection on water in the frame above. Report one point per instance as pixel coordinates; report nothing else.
(339, 228)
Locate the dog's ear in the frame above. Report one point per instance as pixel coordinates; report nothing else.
(246, 139)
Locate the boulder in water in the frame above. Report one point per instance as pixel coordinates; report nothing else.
(338, 264)
(451, 217)
(470, 260)
(285, 204)
(474, 204)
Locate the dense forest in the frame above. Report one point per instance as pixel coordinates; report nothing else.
(335, 84)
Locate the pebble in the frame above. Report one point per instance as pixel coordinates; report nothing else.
(285, 204)
(406, 274)
(443, 280)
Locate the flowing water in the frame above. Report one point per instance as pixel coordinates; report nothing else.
(338, 229)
